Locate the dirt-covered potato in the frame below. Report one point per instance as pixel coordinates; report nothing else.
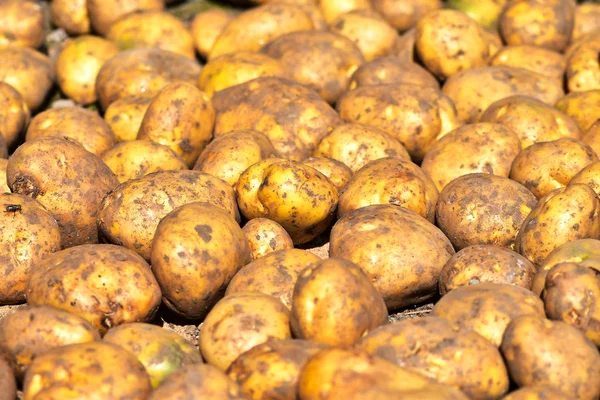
(392, 70)
(542, 352)
(540, 23)
(448, 41)
(125, 116)
(483, 147)
(582, 72)
(473, 91)
(390, 181)
(31, 73)
(561, 216)
(8, 384)
(487, 308)
(239, 322)
(265, 236)
(296, 196)
(479, 371)
(323, 61)
(235, 68)
(583, 107)
(76, 123)
(338, 173)
(143, 71)
(67, 180)
(206, 28)
(415, 115)
(180, 117)
(14, 114)
(130, 214)
(532, 120)
(103, 13)
(483, 209)
(587, 20)
(22, 24)
(402, 252)
(537, 392)
(29, 332)
(71, 15)
(404, 14)
(486, 264)
(532, 58)
(3, 182)
(65, 373)
(590, 176)
(265, 105)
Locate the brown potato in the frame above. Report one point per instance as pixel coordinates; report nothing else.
(125, 116)
(206, 28)
(483, 209)
(337, 172)
(537, 392)
(541, 352)
(71, 15)
(404, 48)
(583, 107)
(67, 180)
(29, 332)
(14, 114)
(130, 214)
(22, 24)
(486, 264)
(478, 371)
(487, 308)
(8, 384)
(240, 322)
(561, 216)
(587, 20)
(103, 13)
(404, 14)
(392, 70)
(537, 59)
(402, 253)
(117, 373)
(323, 61)
(3, 182)
(265, 236)
(590, 176)
(332, 9)
(483, 147)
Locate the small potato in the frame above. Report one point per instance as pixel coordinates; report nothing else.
(590, 176)
(483, 209)
(402, 252)
(8, 384)
(473, 91)
(3, 182)
(130, 214)
(587, 20)
(430, 346)
(337, 172)
(487, 308)
(29, 332)
(537, 59)
(265, 236)
(542, 352)
(532, 120)
(583, 107)
(561, 216)
(71, 15)
(180, 117)
(592, 137)
(14, 114)
(486, 264)
(390, 181)
(125, 116)
(196, 250)
(64, 373)
(333, 9)
(240, 322)
(583, 73)
(160, 351)
(540, 23)
(404, 14)
(448, 41)
(103, 13)
(296, 196)
(392, 70)
(483, 147)
(22, 24)
(537, 392)
(76, 123)
(206, 28)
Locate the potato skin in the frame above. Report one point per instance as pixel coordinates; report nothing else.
(22, 24)
(196, 250)
(404, 14)
(573, 105)
(266, 236)
(124, 116)
(337, 172)
(582, 74)
(29, 332)
(332, 9)
(535, 353)
(71, 15)
(14, 114)
(404, 266)
(206, 28)
(8, 385)
(392, 70)
(532, 58)
(104, 13)
(592, 137)
(537, 392)
(587, 20)
(590, 176)
(3, 182)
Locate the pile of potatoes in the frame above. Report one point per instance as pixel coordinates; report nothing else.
(295, 178)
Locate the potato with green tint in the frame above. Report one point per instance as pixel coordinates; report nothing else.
(404, 14)
(266, 236)
(22, 24)
(532, 58)
(71, 15)
(14, 114)
(337, 172)
(206, 28)
(125, 116)
(103, 13)
(392, 70)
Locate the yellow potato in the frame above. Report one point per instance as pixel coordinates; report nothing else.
(206, 28)
(337, 172)
(103, 13)
(125, 116)
(14, 114)
(22, 24)
(583, 107)
(590, 176)
(587, 20)
(3, 182)
(71, 15)
(404, 14)
(332, 9)
(537, 392)
(8, 384)
(392, 70)
(532, 58)
(265, 236)
(592, 137)
(582, 72)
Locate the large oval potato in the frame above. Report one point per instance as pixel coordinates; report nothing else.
(124, 116)
(103, 13)
(71, 15)
(14, 114)
(22, 24)
(532, 58)
(392, 70)
(265, 236)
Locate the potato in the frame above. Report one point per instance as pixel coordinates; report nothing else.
(592, 137)
(473, 91)
(197, 381)
(433, 391)
(574, 105)
(448, 41)
(29, 72)
(130, 214)
(292, 116)
(313, 10)
(537, 392)
(8, 385)
(532, 120)
(478, 370)
(104, 13)
(535, 353)
(240, 322)
(590, 176)
(3, 148)
(540, 23)
(180, 117)
(532, 58)
(483, 147)
(415, 115)
(486, 264)
(3, 183)
(483, 209)
(252, 29)
(125, 116)
(404, 14)
(587, 20)
(402, 253)
(487, 308)
(196, 250)
(76, 123)
(485, 12)
(29, 332)
(14, 114)
(143, 71)
(392, 70)
(562, 215)
(333, 9)
(582, 73)
(206, 28)
(404, 48)
(323, 61)
(67, 180)
(390, 181)
(160, 351)
(22, 24)
(337, 172)
(71, 15)
(296, 196)
(64, 373)
(265, 236)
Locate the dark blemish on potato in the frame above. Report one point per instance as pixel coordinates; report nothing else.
(204, 231)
